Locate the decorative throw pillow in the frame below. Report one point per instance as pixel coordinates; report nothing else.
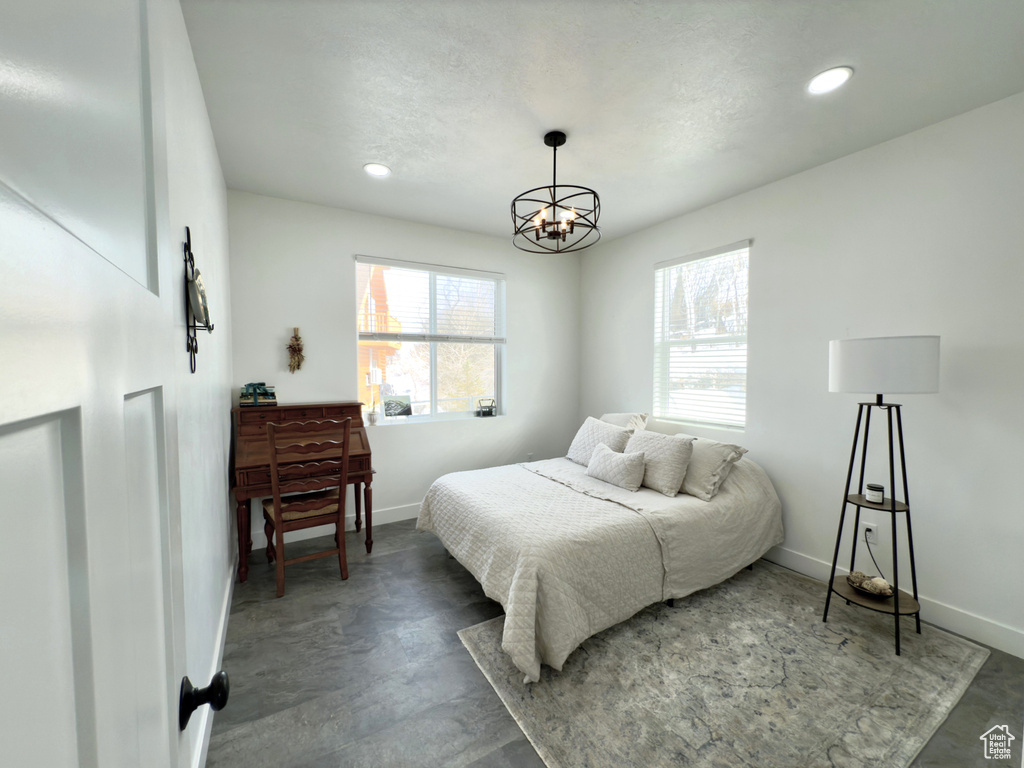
(593, 432)
(625, 470)
(665, 459)
(709, 465)
(633, 421)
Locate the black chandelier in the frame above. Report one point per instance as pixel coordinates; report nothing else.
(556, 219)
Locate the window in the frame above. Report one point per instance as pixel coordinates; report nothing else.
(431, 339)
(700, 337)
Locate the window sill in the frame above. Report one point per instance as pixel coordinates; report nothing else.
(396, 421)
(676, 421)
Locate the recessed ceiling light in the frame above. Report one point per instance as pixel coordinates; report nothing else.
(829, 80)
(376, 169)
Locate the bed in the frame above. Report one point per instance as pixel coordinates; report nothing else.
(568, 555)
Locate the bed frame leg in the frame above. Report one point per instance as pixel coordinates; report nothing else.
(750, 567)
(671, 602)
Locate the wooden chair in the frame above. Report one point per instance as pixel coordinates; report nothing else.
(310, 460)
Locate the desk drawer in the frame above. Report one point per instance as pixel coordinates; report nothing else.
(342, 411)
(256, 477)
(359, 465)
(278, 415)
(260, 415)
(298, 414)
(254, 422)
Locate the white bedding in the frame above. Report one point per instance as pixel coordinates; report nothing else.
(568, 555)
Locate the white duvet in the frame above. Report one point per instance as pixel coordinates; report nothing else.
(568, 555)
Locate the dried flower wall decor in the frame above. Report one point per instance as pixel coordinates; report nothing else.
(295, 356)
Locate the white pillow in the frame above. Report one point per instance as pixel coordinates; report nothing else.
(593, 432)
(627, 420)
(709, 465)
(625, 470)
(666, 459)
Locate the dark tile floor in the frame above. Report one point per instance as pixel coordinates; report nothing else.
(370, 671)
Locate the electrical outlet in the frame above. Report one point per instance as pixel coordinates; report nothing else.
(529, 457)
(868, 532)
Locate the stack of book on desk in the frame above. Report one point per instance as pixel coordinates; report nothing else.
(257, 393)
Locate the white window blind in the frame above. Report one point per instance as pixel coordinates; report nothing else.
(436, 334)
(700, 337)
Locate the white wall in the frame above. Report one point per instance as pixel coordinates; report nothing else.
(292, 265)
(920, 235)
(197, 197)
(93, 350)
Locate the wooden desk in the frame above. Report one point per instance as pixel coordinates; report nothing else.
(251, 461)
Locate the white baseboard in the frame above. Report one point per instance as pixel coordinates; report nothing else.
(380, 517)
(203, 747)
(389, 515)
(947, 617)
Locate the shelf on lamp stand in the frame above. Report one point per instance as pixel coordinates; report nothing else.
(901, 603)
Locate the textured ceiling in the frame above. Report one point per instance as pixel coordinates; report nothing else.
(668, 106)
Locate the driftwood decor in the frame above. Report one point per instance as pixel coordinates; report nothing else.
(295, 356)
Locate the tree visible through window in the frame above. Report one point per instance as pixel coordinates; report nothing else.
(431, 340)
(700, 338)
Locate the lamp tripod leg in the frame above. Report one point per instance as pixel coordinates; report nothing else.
(842, 514)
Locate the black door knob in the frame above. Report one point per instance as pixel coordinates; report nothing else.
(191, 698)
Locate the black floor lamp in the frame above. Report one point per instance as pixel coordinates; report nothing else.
(892, 365)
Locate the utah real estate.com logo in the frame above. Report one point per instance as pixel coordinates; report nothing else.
(997, 742)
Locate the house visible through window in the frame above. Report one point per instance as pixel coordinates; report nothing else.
(700, 337)
(431, 339)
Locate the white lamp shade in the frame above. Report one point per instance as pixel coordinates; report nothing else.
(887, 364)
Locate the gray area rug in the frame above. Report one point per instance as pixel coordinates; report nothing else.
(742, 674)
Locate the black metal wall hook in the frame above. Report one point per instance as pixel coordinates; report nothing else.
(191, 342)
(191, 698)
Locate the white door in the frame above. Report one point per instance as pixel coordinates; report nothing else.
(90, 583)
